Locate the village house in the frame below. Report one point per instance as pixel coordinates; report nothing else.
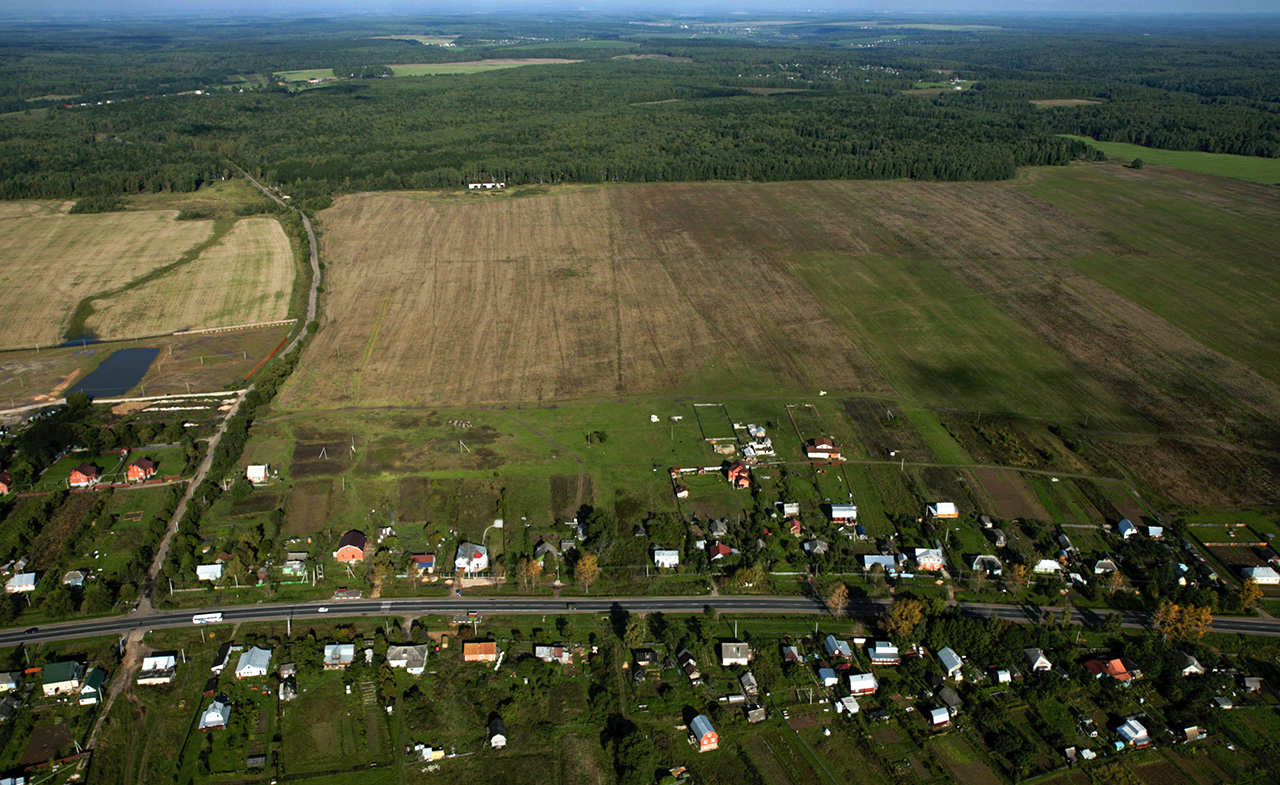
(739, 475)
(1187, 665)
(863, 684)
(1117, 668)
(423, 563)
(288, 682)
(986, 563)
(543, 550)
(1047, 567)
(351, 547)
(209, 572)
(22, 582)
(257, 473)
(951, 700)
(74, 578)
(750, 687)
(10, 681)
(817, 547)
(141, 470)
(835, 647)
(480, 651)
(338, 656)
(942, 510)
(217, 715)
(471, 559)
(939, 717)
(951, 663)
(253, 663)
(998, 537)
(796, 528)
(886, 562)
(884, 653)
(718, 550)
(1134, 733)
(1126, 528)
(1104, 567)
(158, 668)
(702, 735)
(92, 690)
(792, 653)
(823, 448)
(6, 483)
(930, 559)
(497, 733)
(412, 658)
(85, 475)
(734, 653)
(666, 558)
(828, 677)
(61, 677)
(1036, 660)
(223, 657)
(844, 513)
(557, 653)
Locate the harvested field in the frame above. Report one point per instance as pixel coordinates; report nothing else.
(255, 503)
(962, 761)
(887, 736)
(1012, 498)
(415, 499)
(473, 66)
(245, 278)
(320, 455)
(308, 507)
(51, 262)
(1049, 103)
(1162, 773)
(48, 741)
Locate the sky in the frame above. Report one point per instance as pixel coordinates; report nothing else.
(258, 8)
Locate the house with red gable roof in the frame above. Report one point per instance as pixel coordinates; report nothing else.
(351, 547)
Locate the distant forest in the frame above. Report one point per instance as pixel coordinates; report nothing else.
(113, 108)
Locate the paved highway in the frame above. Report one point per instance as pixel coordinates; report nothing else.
(303, 612)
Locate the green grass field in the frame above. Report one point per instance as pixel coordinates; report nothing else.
(439, 69)
(305, 74)
(1242, 167)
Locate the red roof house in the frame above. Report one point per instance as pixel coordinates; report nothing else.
(719, 550)
(739, 475)
(795, 526)
(351, 547)
(423, 562)
(6, 483)
(85, 475)
(824, 448)
(142, 469)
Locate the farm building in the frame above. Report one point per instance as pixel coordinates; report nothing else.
(217, 715)
(471, 558)
(485, 186)
(158, 669)
(141, 470)
(92, 689)
(1155, 532)
(666, 557)
(702, 735)
(884, 653)
(480, 651)
(951, 662)
(834, 647)
(844, 513)
(986, 563)
(863, 684)
(735, 653)
(253, 663)
(823, 448)
(739, 475)
(257, 473)
(1265, 576)
(423, 563)
(497, 733)
(1126, 528)
(1037, 660)
(682, 491)
(84, 476)
(338, 656)
(942, 510)
(209, 572)
(412, 658)
(22, 582)
(930, 559)
(62, 677)
(351, 547)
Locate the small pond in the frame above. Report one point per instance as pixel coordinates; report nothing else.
(118, 374)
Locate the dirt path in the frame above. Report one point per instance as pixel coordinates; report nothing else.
(122, 683)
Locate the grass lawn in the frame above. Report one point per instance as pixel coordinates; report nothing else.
(1241, 167)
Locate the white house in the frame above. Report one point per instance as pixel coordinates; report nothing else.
(939, 717)
(828, 677)
(471, 558)
(666, 558)
(1104, 566)
(217, 715)
(92, 689)
(412, 658)
(863, 684)
(848, 704)
(1265, 576)
(257, 473)
(986, 563)
(1126, 528)
(1134, 733)
(735, 653)
(60, 677)
(1037, 660)
(1187, 664)
(951, 662)
(1047, 567)
(209, 572)
(254, 662)
(844, 513)
(884, 653)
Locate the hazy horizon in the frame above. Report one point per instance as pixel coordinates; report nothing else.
(99, 9)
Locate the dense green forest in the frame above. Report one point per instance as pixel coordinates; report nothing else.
(132, 107)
